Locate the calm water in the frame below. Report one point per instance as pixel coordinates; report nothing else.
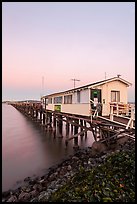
(27, 150)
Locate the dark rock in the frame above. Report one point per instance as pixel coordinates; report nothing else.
(24, 196)
(37, 187)
(75, 158)
(42, 177)
(32, 182)
(26, 189)
(34, 193)
(27, 179)
(6, 193)
(69, 167)
(13, 198)
(98, 147)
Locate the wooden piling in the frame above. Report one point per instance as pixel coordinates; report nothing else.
(75, 132)
(72, 127)
(67, 126)
(85, 126)
(60, 124)
(54, 120)
(46, 118)
(36, 114)
(81, 129)
(50, 119)
(43, 118)
(40, 116)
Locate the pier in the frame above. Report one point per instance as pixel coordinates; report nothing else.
(104, 129)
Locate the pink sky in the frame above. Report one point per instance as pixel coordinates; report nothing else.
(61, 41)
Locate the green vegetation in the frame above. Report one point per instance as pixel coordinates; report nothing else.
(112, 181)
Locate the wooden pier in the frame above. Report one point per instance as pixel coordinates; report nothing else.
(103, 129)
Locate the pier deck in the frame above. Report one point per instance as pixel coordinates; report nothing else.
(103, 129)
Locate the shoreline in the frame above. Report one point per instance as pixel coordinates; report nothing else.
(59, 174)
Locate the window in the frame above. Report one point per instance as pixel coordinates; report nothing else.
(49, 100)
(58, 99)
(46, 100)
(115, 96)
(78, 96)
(68, 99)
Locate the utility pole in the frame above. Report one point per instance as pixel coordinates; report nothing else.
(75, 81)
(42, 85)
(74, 88)
(105, 76)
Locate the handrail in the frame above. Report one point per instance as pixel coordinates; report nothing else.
(125, 109)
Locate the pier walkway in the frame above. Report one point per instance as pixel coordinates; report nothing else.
(104, 129)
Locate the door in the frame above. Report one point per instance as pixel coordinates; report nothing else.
(95, 96)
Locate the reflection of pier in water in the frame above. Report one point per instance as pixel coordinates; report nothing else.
(103, 129)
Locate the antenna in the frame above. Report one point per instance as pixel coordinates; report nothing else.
(42, 85)
(118, 75)
(105, 76)
(75, 81)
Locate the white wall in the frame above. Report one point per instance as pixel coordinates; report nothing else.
(50, 106)
(106, 94)
(81, 109)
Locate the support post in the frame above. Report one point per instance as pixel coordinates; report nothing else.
(54, 120)
(50, 119)
(111, 112)
(67, 126)
(85, 126)
(60, 125)
(117, 108)
(40, 116)
(75, 132)
(43, 118)
(81, 129)
(36, 114)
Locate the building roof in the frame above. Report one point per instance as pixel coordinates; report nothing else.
(92, 85)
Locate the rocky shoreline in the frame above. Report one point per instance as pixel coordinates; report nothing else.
(42, 187)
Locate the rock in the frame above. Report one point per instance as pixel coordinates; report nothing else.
(75, 158)
(32, 182)
(85, 163)
(69, 167)
(98, 147)
(27, 179)
(13, 198)
(34, 200)
(24, 196)
(6, 193)
(89, 162)
(122, 140)
(34, 193)
(41, 196)
(44, 184)
(3, 200)
(117, 151)
(53, 176)
(52, 185)
(42, 181)
(58, 169)
(37, 187)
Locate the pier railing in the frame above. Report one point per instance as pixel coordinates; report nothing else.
(104, 131)
(126, 111)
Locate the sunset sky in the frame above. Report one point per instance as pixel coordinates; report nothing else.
(45, 45)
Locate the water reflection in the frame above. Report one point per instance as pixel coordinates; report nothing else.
(27, 149)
